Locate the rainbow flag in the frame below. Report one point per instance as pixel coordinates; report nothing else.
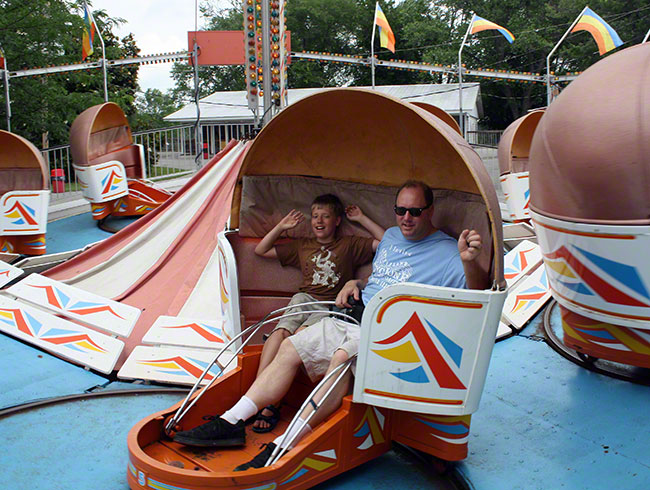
(88, 35)
(480, 24)
(386, 36)
(605, 37)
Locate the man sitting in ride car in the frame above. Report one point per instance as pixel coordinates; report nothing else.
(414, 251)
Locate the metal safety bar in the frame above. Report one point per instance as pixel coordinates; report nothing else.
(269, 318)
(282, 448)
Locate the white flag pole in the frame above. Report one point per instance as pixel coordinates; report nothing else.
(5, 76)
(460, 79)
(372, 46)
(548, 58)
(101, 40)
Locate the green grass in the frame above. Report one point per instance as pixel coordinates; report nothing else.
(167, 172)
(72, 187)
(164, 171)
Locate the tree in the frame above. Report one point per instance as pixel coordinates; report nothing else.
(37, 33)
(211, 78)
(537, 26)
(431, 31)
(151, 107)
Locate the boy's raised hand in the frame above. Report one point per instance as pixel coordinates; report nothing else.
(291, 220)
(353, 212)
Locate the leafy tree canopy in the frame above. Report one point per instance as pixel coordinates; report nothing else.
(431, 31)
(38, 33)
(211, 78)
(151, 107)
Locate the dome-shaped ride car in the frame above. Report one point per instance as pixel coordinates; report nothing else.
(590, 202)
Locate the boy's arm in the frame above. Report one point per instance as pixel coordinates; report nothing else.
(354, 213)
(265, 248)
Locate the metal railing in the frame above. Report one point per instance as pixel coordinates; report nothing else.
(168, 152)
(489, 138)
(171, 152)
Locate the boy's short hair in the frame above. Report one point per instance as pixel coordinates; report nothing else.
(417, 184)
(332, 201)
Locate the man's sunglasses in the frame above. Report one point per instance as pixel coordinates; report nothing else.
(415, 212)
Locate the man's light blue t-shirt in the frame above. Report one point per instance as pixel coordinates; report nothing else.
(434, 260)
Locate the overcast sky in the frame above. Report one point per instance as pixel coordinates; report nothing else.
(159, 26)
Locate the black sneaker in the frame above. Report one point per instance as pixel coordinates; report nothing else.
(260, 460)
(216, 433)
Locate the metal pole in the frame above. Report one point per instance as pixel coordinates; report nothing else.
(372, 47)
(101, 40)
(198, 131)
(266, 60)
(461, 119)
(548, 58)
(646, 37)
(7, 100)
(105, 76)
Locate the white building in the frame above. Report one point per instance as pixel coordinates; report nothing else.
(232, 108)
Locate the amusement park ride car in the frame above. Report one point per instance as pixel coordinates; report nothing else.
(109, 167)
(365, 166)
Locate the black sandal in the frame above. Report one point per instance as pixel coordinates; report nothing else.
(272, 420)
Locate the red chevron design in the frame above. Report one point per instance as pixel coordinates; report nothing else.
(109, 182)
(440, 369)
(96, 309)
(51, 295)
(527, 297)
(21, 324)
(605, 290)
(187, 366)
(73, 338)
(23, 212)
(201, 331)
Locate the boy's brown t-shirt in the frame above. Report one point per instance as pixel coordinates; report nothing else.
(325, 268)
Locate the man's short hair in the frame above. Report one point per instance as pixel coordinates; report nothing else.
(418, 184)
(332, 201)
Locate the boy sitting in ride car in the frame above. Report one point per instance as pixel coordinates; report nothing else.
(327, 262)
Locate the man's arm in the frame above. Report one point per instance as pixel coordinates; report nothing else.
(351, 288)
(265, 248)
(469, 246)
(354, 213)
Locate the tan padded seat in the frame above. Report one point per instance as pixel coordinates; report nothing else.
(20, 179)
(519, 164)
(129, 157)
(265, 285)
(108, 140)
(266, 199)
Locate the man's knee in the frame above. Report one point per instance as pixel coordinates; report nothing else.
(339, 357)
(279, 335)
(287, 354)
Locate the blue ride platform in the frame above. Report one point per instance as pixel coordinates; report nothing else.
(544, 422)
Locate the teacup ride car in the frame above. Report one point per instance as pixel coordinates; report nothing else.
(440, 113)
(590, 203)
(110, 168)
(424, 350)
(513, 154)
(24, 196)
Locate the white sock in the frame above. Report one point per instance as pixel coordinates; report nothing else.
(295, 429)
(242, 410)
